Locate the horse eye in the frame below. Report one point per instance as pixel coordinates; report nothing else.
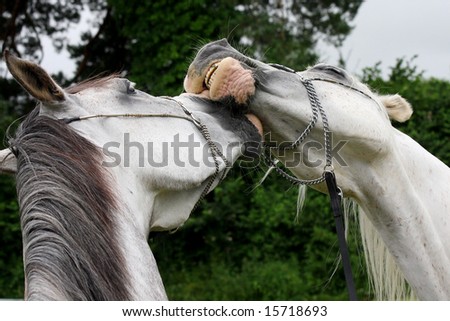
(130, 88)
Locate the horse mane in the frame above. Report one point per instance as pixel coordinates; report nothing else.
(67, 215)
(385, 278)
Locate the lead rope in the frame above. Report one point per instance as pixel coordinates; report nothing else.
(328, 175)
(335, 200)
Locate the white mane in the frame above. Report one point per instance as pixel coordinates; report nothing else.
(385, 278)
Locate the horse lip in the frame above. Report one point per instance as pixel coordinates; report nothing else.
(214, 65)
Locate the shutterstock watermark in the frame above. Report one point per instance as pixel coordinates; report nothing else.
(187, 152)
(309, 154)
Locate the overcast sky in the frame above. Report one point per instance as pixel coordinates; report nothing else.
(389, 29)
(384, 31)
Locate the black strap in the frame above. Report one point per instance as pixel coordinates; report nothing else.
(335, 199)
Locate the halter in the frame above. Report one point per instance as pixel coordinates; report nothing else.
(317, 109)
(189, 116)
(328, 172)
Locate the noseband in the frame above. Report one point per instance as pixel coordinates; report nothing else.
(189, 116)
(328, 172)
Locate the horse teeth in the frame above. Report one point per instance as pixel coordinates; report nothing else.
(210, 74)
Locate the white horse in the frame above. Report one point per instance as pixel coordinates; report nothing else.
(402, 189)
(98, 166)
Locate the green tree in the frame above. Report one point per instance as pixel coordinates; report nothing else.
(246, 241)
(11, 267)
(154, 40)
(25, 22)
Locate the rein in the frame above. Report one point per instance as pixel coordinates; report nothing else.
(328, 175)
(189, 116)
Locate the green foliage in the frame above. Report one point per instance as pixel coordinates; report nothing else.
(160, 40)
(250, 245)
(11, 266)
(154, 41)
(244, 242)
(256, 280)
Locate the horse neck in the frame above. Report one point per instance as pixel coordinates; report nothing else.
(429, 177)
(144, 280)
(76, 236)
(109, 261)
(133, 219)
(409, 172)
(405, 196)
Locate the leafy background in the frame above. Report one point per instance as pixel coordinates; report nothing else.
(244, 242)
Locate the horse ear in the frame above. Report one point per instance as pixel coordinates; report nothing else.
(397, 107)
(8, 162)
(35, 80)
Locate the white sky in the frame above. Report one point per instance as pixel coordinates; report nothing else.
(54, 62)
(384, 31)
(389, 29)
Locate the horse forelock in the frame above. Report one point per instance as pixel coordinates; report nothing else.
(67, 209)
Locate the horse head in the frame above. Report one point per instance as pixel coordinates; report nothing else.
(321, 120)
(358, 118)
(101, 164)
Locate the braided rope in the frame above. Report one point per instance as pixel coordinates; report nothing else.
(317, 109)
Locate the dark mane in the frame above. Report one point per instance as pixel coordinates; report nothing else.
(67, 215)
(94, 82)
